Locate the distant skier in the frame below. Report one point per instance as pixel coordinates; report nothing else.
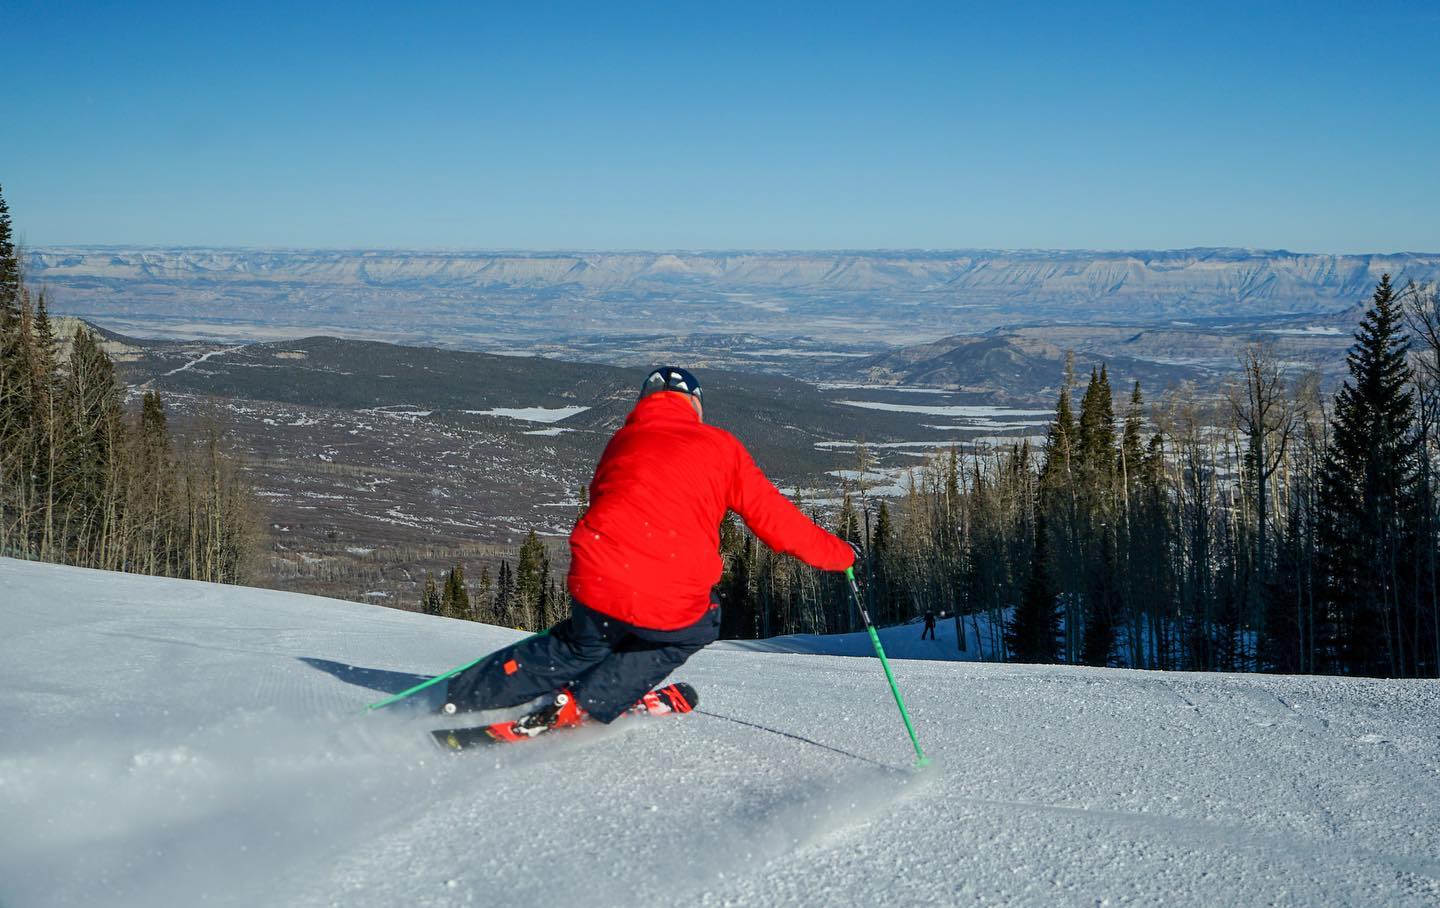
(644, 558)
(929, 630)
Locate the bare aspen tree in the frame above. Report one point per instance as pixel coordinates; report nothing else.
(1266, 415)
(1422, 311)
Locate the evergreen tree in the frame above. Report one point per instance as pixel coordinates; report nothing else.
(1279, 644)
(738, 619)
(18, 419)
(17, 406)
(82, 482)
(454, 597)
(48, 429)
(880, 563)
(93, 447)
(154, 482)
(1132, 448)
(430, 602)
(504, 597)
(1063, 437)
(554, 600)
(1368, 501)
(849, 528)
(9, 262)
(1097, 453)
(532, 567)
(1033, 634)
(1101, 607)
(1152, 568)
(485, 600)
(462, 606)
(1063, 499)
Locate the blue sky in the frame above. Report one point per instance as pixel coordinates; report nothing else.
(1306, 126)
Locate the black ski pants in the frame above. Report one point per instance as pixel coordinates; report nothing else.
(606, 663)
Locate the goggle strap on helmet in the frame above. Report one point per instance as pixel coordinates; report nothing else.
(670, 378)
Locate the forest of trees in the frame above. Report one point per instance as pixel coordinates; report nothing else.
(1267, 528)
(529, 597)
(88, 481)
(1264, 529)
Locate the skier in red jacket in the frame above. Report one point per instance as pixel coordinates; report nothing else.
(644, 558)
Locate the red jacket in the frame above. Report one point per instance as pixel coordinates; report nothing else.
(647, 551)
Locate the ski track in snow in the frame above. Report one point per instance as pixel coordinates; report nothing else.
(166, 742)
(202, 358)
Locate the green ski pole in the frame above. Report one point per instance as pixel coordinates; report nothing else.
(921, 760)
(396, 698)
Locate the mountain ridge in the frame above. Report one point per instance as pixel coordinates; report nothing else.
(498, 299)
(840, 269)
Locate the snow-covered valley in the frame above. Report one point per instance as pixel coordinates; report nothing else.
(167, 742)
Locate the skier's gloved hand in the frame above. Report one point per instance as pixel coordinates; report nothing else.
(859, 553)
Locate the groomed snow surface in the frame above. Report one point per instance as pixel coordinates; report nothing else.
(170, 743)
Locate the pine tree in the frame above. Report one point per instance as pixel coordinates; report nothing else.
(882, 587)
(19, 412)
(92, 486)
(531, 569)
(1132, 449)
(1063, 500)
(1368, 505)
(9, 262)
(1129, 474)
(505, 597)
(1097, 453)
(430, 602)
(14, 404)
(849, 528)
(454, 596)
(1281, 642)
(81, 481)
(1033, 634)
(1063, 437)
(554, 601)
(1102, 603)
(485, 601)
(738, 619)
(154, 466)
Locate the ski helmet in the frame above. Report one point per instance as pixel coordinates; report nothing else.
(670, 378)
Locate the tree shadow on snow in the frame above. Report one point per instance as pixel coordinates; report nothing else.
(377, 679)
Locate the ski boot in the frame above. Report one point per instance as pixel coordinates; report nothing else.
(561, 712)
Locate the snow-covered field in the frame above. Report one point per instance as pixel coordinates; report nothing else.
(531, 414)
(167, 743)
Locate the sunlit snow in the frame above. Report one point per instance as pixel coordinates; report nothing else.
(530, 414)
(1309, 331)
(979, 412)
(166, 742)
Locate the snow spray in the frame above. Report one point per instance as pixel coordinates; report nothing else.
(380, 704)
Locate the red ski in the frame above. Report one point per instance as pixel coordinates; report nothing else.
(671, 699)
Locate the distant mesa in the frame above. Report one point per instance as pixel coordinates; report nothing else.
(1005, 319)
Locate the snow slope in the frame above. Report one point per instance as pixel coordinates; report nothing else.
(165, 743)
(981, 642)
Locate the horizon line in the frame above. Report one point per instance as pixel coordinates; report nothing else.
(560, 251)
